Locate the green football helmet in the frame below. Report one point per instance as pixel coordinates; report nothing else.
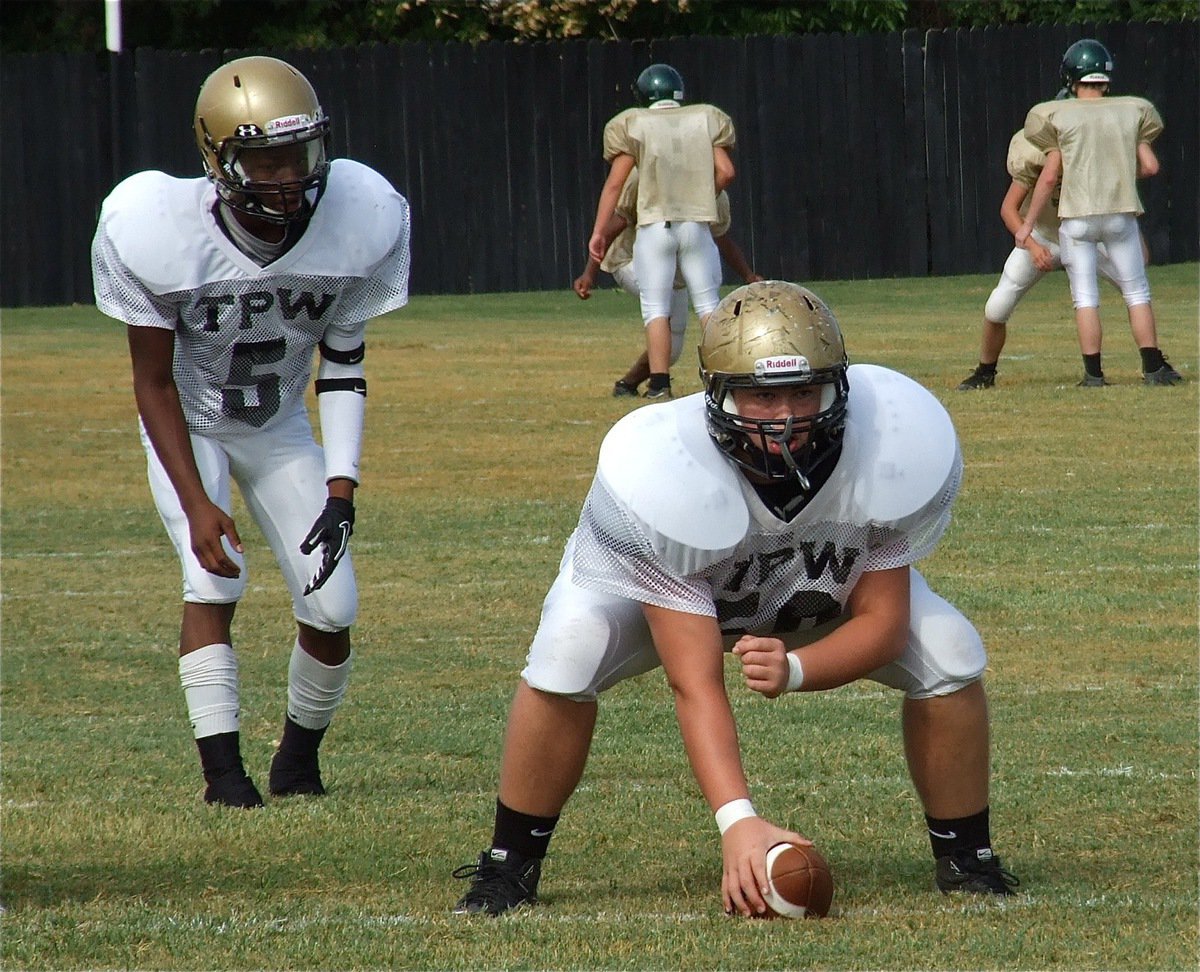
(1086, 61)
(659, 82)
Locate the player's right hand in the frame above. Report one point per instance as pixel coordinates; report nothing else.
(583, 285)
(209, 526)
(744, 848)
(1042, 259)
(764, 664)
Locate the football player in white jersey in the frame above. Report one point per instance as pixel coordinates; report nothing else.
(777, 515)
(682, 156)
(227, 285)
(618, 261)
(1025, 265)
(1099, 147)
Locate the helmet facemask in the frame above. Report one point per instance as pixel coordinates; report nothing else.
(804, 441)
(773, 334)
(264, 139)
(274, 178)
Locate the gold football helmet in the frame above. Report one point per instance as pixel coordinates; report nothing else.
(773, 333)
(263, 137)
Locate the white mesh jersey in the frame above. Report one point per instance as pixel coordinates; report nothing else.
(670, 521)
(245, 334)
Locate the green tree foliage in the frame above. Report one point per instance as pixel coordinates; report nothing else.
(74, 25)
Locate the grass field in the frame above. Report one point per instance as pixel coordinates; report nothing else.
(1074, 549)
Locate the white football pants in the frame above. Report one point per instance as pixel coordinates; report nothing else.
(1079, 239)
(678, 320)
(1020, 274)
(280, 471)
(587, 642)
(660, 248)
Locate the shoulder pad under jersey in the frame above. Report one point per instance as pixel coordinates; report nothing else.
(1025, 160)
(900, 450)
(155, 222)
(1039, 125)
(660, 465)
(357, 222)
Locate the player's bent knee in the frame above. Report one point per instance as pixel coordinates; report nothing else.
(327, 614)
(952, 645)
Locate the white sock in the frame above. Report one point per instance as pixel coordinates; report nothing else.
(315, 690)
(209, 677)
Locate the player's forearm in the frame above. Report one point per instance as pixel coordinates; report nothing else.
(162, 416)
(710, 740)
(733, 255)
(1010, 207)
(1043, 189)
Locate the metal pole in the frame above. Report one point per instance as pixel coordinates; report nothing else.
(112, 25)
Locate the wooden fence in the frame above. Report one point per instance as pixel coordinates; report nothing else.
(857, 157)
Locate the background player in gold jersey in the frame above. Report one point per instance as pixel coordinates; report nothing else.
(618, 261)
(682, 155)
(1099, 146)
(1025, 265)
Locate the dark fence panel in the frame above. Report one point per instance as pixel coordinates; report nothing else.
(857, 156)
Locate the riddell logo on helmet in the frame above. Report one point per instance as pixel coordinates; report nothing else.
(288, 123)
(785, 364)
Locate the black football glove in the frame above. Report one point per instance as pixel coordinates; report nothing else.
(332, 533)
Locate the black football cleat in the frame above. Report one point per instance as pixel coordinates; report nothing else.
(1166, 375)
(501, 881)
(233, 788)
(974, 872)
(978, 379)
(293, 775)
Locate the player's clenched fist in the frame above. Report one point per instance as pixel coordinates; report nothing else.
(764, 664)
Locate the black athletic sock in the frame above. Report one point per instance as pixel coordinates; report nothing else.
(219, 754)
(524, 833)
(1091, 365)
(659, 380)
(962, 833)
(298, 742)
(1152, 359)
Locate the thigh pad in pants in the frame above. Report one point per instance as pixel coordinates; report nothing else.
(587, 642)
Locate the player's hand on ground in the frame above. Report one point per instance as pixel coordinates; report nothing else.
(744, 848)
(331, 533)
(764, 664)
(583, 285)
(209, 525)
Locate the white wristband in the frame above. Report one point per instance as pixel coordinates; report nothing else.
(730, 813)
(795, 673)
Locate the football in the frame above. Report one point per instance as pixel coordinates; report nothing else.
(800, 883)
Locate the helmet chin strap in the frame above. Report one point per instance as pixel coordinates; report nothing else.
(786, 454)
